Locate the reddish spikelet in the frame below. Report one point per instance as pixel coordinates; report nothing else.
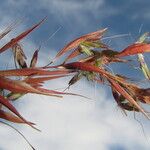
(73, 44)
(9, 28)
(34, 59)
(33, 72)
(119, 89)
(4, 33)
(84, 67)
(143, 95)
(10, 117)
(8, 105)
(134, 49)
(20, 37)
(19, 55)
(121, 101)
(18, 86)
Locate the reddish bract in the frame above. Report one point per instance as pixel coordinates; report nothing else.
(134, 49)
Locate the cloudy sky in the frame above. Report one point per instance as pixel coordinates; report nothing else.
(75, 123)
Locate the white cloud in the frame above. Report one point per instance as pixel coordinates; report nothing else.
(75, 12)
(66, 7)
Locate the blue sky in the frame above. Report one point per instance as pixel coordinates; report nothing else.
(75, 123)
